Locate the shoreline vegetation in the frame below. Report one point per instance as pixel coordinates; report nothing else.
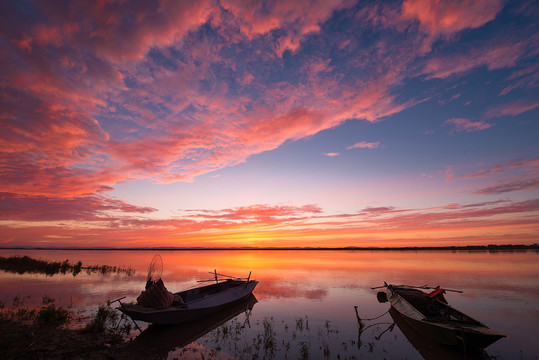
(51, 332)
(48, 331)
(27, 265)
(506, 247)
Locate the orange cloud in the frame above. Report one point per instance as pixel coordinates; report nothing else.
(95, 94)
(262, 212)
(266, 225)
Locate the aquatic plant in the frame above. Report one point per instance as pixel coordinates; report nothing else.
(27, 265)
(304, 350)
(104, 318)
(46, 315)
(270, 343)
(51, 315)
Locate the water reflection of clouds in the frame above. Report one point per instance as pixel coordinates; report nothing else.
(275, 290)
(321, 284)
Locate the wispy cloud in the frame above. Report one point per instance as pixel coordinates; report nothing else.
(496, 56)
(365, 145)
(294, 224)
(526, 78)
(101, 93)
(43, 208)
(512, 109)
(259, 212)
(530, 165)
(510, 185)
(465, 125)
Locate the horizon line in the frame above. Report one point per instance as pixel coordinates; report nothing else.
(175, 248)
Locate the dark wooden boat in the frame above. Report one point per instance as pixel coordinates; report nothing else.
(430, 314)
(194, 304)
(431, 350)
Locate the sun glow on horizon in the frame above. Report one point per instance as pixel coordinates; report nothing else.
(228, 124)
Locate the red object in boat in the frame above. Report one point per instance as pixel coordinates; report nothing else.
(438, 293)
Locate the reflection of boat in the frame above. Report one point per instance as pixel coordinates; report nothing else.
(157, 340)
(433, 350)
(193, 304)
(432, 316)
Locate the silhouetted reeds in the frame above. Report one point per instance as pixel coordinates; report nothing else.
(27, 265)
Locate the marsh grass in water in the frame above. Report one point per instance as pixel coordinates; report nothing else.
(27, 265)
(269, 339)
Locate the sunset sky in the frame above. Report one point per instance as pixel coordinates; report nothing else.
(269, 123)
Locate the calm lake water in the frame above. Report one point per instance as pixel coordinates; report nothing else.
(305, 299)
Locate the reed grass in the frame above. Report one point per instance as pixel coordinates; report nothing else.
(27, 265)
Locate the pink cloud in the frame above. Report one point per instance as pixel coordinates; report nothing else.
(465, 125)
(510, 185)
(95, 94)
(84, 122)
(526, 78)
(25, 43)
(364, 145)
(446, 101)
(253, 214)
(494, 56)
(296, 18)
(42, 208)
(332, 154)
(512, 109)
(446, 18)
(523, 165)
(126, 31)
(207, 227)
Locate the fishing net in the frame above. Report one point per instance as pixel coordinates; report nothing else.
(156, 294)
(156, 269)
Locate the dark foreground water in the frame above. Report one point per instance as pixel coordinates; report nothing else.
(304, 304)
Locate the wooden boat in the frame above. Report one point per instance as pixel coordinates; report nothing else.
(431, 350)
(430, 314)
(157, 341)
(194, 304)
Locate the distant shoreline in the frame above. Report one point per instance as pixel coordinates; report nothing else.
(349, 248)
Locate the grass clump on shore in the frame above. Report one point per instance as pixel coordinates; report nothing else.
(27, 265)
(45, 315)
(50, 332)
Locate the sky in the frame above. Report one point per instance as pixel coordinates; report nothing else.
(328, 123)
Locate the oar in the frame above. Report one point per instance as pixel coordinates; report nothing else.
(457, 291)
(379, 287)
(432, 288)
(416, 287)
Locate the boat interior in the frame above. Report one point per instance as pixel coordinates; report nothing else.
(201, 292)
(433, 309)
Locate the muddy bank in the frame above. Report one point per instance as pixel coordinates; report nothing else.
(20, 341)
